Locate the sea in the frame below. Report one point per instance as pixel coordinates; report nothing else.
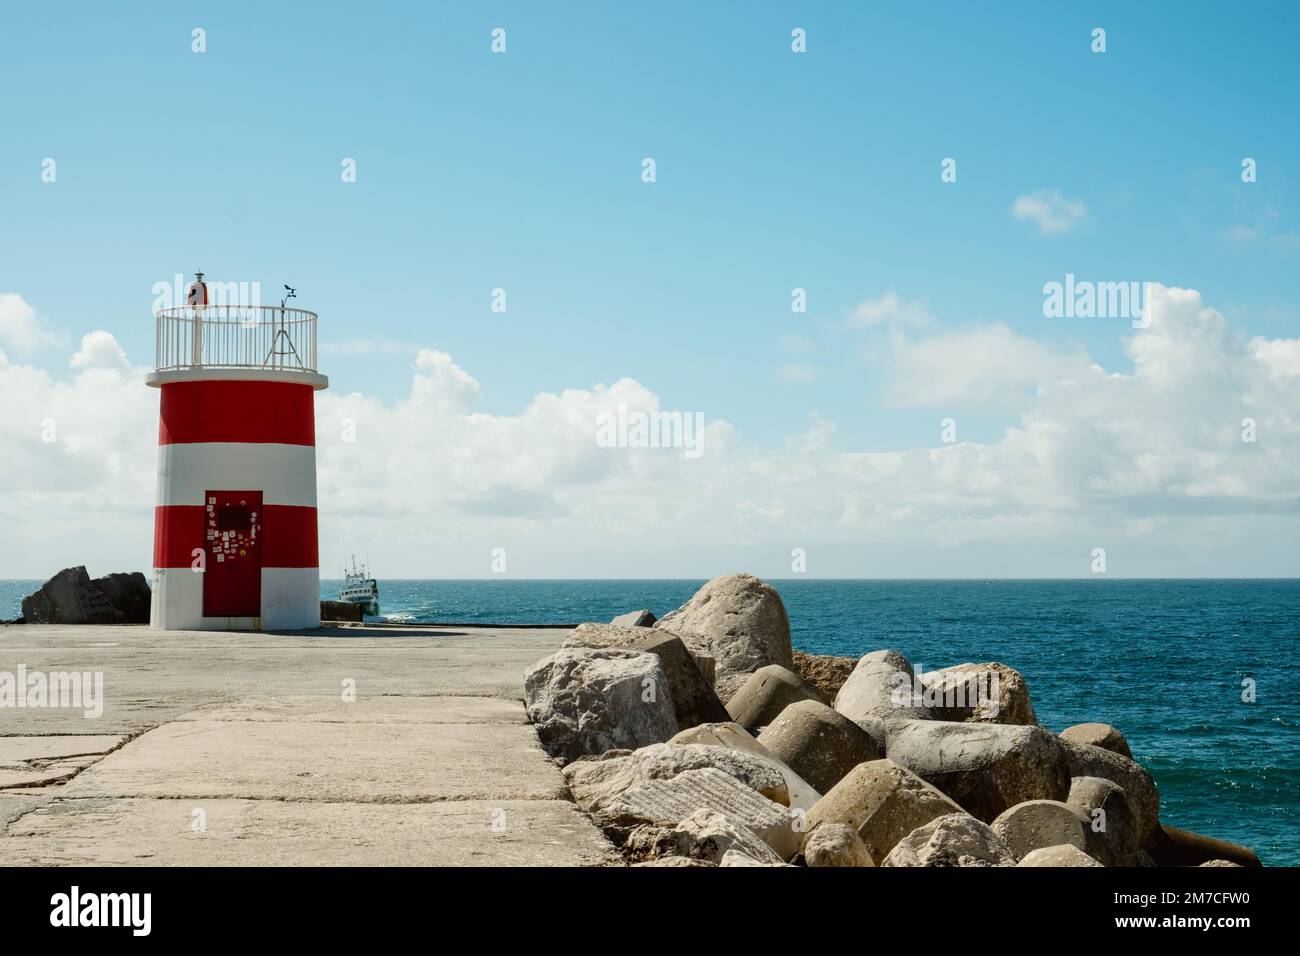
(1202, 676)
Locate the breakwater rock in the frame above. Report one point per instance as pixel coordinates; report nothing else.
(706, 740)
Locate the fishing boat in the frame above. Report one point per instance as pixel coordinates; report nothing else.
(360, 588)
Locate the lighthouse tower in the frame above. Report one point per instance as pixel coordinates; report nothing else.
(235, 524)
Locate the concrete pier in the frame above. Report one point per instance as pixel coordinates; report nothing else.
(219, 748)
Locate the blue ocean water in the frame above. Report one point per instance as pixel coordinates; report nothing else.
(1164, 661)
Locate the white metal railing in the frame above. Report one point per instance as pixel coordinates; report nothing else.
(236, 336)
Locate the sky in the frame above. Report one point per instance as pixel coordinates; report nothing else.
(828, 171)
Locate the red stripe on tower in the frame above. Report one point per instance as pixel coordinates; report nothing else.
(238, 411)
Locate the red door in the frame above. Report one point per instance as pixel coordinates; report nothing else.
(232, 579)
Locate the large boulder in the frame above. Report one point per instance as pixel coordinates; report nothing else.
(633, 638)
(765, 693)
(986, 768)
(1037, 824)
(825, 672)
(1086, 760)
(835, 844)
(883, 802)
(954, 840)
(818, 743)
(344, 611)
(881, 690)
(1098, 735)
(694, 701)
(1109, 827)
(1170, 846)
(740, 622)
(705, 835)
(70, 597)
(1064, 855)
(733, 736)
(586, 701)
(128, 592)
(981, 693)
(665, 803)
(596, 783)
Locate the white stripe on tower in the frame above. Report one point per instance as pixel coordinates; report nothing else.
(285, 474)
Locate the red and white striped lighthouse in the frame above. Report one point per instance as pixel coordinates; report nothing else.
(235, 542)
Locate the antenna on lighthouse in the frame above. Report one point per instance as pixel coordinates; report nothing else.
(279, 351)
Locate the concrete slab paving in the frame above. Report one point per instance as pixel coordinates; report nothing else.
(392, 709)
(151, 677)
(14, 804)
(328, 761)
(43, 760)
(272, 833)
(433, 762)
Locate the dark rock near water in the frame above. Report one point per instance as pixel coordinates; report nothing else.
(129, 593)
(71, 597)
(340, 611)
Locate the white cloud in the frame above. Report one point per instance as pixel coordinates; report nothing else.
(1146, 461)
(1280, 356)
(1050, 211)
(21, 328)
(890, 310)
(987, 365)
(99, 350)
(795, 344)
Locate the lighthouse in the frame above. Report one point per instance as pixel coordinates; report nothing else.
(235, 544)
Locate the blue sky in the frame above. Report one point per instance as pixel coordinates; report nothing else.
(521, 171)
(774, 170)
